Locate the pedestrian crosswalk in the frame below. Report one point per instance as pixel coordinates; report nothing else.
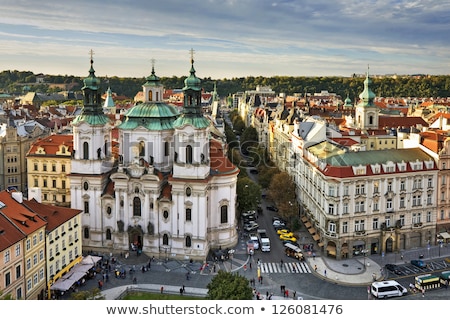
(286, 267)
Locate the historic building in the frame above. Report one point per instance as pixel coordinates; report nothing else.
(49, 162)
(172, 190)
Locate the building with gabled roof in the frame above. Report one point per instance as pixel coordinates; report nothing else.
(32, 226)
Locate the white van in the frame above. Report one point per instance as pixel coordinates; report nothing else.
(385, 289)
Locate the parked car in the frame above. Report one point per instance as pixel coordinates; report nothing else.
(272, 208)
(254, 239)
(393, 268)
(283, 231)
(419, 263)
(288, 237)
(278, 224)
(275, 218)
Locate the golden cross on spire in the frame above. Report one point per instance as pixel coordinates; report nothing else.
(192, 55)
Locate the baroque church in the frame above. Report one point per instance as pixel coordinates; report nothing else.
(170, 190)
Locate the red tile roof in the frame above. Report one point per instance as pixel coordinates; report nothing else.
(26, 220)
(52, 143)
(55, 216)
(9, 234)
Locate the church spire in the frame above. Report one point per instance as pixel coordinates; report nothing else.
(367, 96)
(192, 105)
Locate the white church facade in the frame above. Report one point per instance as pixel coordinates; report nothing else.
(170, 192)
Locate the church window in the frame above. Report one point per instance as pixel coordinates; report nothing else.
(85, 185)
(86, 207)
(224, 214)
(137, 206)
(370, 119)
(105, 148)
(85, 151)
(189, 154)
(188, 214)
(141, 148)
(136, 190)
(165, 239)
(188, 241)
(166, 148)
(150, 95)
(108, 234)
(108, 210)
(165, 214)
(86, 233)
(188, 191)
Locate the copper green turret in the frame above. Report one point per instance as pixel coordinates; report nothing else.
(192, 106)
(92, 112)
(367, 96)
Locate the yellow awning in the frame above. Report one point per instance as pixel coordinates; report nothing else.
(308, 224)
(312, 230)
(316, 237)
(320, 244)
(304, 219)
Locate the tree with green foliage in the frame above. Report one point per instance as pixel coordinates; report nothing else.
(249, 140)
(7, 296)
(266, 175)
(282, 191)
(248, 194)
(229, 286)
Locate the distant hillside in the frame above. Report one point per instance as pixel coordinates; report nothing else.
(388, 86)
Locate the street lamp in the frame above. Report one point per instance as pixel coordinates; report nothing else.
(440, 243)
(364, 252)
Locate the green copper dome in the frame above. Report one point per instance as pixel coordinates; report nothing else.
(91, 82)
(152, 80)
(367, 96)
(152, 116)
(192, 82)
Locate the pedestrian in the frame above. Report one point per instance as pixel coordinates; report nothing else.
(374, 276)
(315, 267)
(294, 294)
(325, 272)
(184, 289)
(187, 275)
(181, 291)
(281, 263)
(134, 280)
(260, 279)
(162, 289)
(423, 292)
(314, 256)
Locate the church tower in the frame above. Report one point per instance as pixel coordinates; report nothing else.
(92, 159)
(366, 112)
(191, 133)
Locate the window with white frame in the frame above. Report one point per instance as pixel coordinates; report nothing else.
(429, 216)
(417, 184)
(359, 206)
(430, 183)
(332, 227)
(360, 189)
(416, 217)
(402, 219)
(6, 256)
(387, 221)
(389, 205)
(375, 223)
(417, 200)
(359, 225)
(345, 227)
(429, 199)
(389, 186)
(402, 202)
(346, 190)
(345, 208)
(402, 185)
(17, 250)
(330, 208)
(376, 205)
(376, 187)
(442, 214)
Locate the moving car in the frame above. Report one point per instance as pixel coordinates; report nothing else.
(251, 226)
(293, 251)
(254, 239)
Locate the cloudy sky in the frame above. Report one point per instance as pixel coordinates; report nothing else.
(231, 38)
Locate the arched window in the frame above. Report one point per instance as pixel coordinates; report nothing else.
(188, 242)
(165, 239)
(224, 214)
(189, 154)
(188, 191)
(85, 150)
(371, 120)
(150, 95)
(165, 214)
(141, 148)
(136, 206)
(108, 234)
(86, 233)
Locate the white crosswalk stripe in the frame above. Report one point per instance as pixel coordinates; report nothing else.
(288, 267)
